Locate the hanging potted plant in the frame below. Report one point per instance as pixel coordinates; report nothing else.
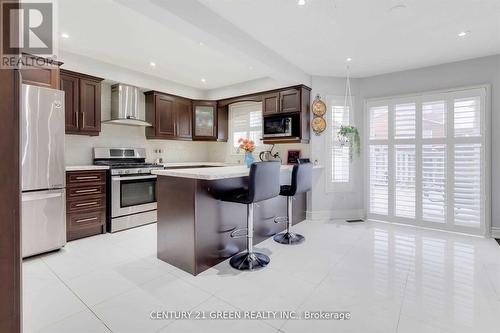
(349, 135)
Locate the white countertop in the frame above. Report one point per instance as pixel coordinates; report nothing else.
(214, 173)
(86, 167)
(191, 164)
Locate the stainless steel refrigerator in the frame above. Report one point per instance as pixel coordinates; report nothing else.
(43, 172)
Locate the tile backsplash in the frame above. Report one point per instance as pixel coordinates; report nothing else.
(79, 147)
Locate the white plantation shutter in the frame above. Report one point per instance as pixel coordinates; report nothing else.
(434, 183)
(434, 119)
(378, 122)
(379, 181)
(467, 118)
(467, 184)
(436, 172)
(340, 154)
(404, 121)
(340, 161)
(245, 121)
(339, 164)
(404, 186)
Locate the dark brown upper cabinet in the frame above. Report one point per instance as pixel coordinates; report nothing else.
(82, 102)
(290, 100)
(286, 101)
(90, 106)
(70, 85)
(183, 121)
(171, 116)
(164, 116)
(205, 120)
(35, 73)
(271, 103)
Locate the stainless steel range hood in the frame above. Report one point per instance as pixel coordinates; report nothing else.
(125, 109)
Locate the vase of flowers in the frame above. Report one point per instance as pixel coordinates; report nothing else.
(248, 146)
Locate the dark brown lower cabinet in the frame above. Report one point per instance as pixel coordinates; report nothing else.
(85, 203)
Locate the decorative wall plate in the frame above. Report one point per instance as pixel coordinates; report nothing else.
(318, 107)
(318, 125)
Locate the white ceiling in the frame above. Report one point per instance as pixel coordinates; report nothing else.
(107, 31)
(319, 36)
(249, 39)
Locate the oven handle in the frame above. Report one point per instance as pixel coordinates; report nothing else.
(118, 178)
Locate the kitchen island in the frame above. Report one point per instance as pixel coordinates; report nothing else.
(194, 228)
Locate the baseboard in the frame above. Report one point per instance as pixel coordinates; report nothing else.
(335, 214)
(495, 232)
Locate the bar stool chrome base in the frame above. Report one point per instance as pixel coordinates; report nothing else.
(249, 261)
(289, 238)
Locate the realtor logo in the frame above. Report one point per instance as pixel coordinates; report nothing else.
(26, 28)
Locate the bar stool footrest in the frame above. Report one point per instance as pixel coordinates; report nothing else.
(289, 238)
(249, 261)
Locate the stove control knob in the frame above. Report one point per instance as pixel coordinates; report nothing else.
(126, 171)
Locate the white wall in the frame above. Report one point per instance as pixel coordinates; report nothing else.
(459, 74)
(322, 203)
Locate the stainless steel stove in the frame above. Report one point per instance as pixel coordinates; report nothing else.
(132, 187)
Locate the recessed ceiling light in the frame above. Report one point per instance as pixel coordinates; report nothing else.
(348, 59)
(250, 67)
(152, 64)
(64, 35)
(301, 2)
(201, 43)
(203, 81)
(463, 33)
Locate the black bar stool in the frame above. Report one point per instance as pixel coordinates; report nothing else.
(301, 182)
(263, 184)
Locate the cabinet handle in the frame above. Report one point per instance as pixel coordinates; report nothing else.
(86, 220)
(76, 117)
(93, 203)
(83, 120)
(86, 177)
(87, 191)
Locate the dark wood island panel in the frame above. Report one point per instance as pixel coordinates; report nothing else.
(194, 227)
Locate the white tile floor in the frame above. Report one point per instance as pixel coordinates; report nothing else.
(390, 278)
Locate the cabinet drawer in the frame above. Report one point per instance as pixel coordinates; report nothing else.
(90, 190)
(88, 219)
(78, 178)
(83, 204)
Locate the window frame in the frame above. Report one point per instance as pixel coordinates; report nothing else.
(259, 145)
(481, 91)
(333, 186)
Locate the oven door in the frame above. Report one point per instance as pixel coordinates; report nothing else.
(132, 194)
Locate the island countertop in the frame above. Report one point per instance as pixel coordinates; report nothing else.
(214, 173)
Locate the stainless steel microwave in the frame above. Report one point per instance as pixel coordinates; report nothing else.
(277, 127)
